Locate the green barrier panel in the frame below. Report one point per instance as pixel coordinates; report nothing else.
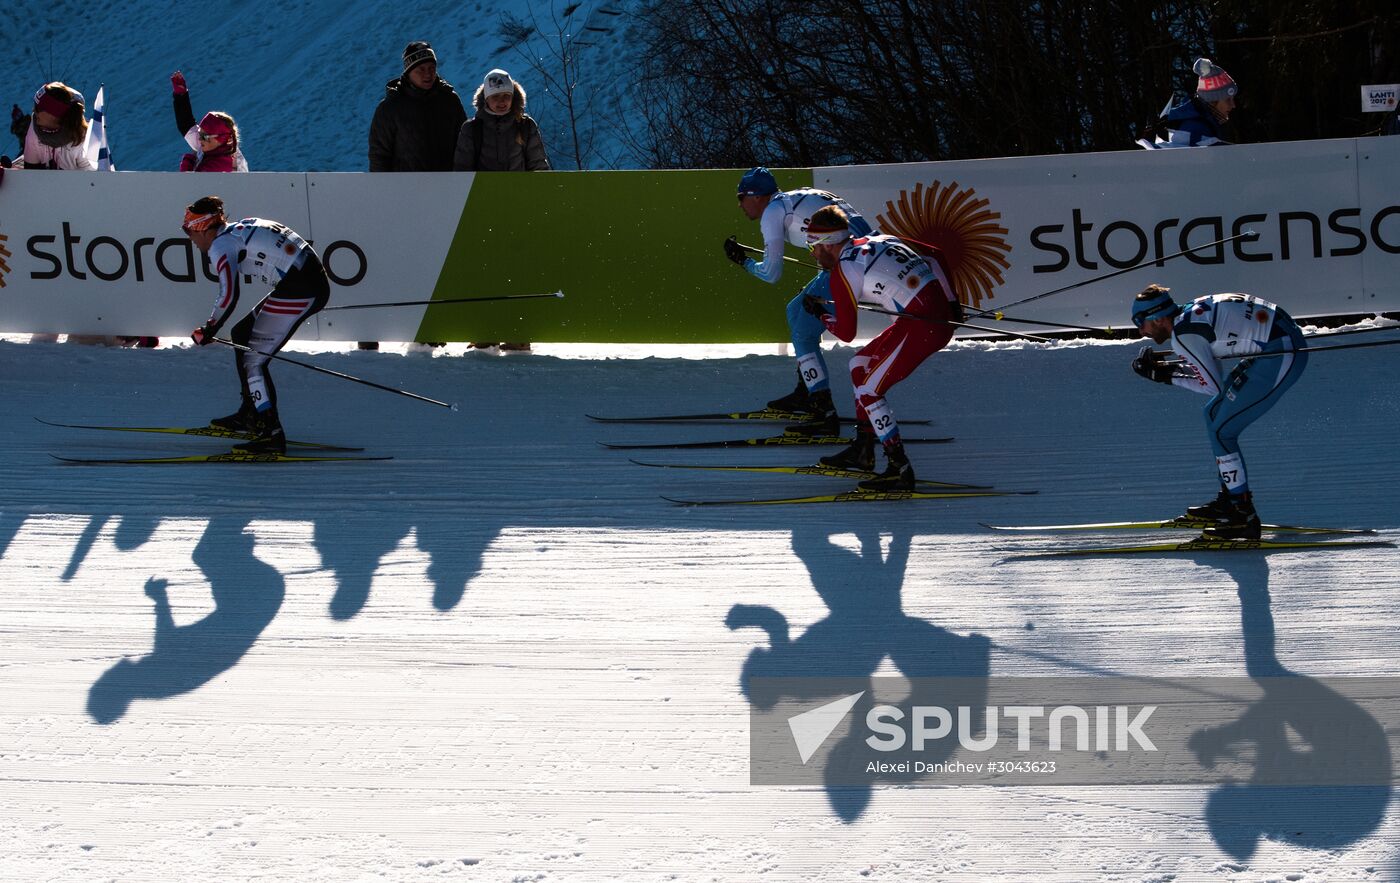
(638, 255)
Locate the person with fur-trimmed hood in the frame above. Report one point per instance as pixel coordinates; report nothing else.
(415, 126)
(502, 137)
(55, 133)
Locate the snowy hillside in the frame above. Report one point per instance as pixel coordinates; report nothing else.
(500, 656)
(301, 78)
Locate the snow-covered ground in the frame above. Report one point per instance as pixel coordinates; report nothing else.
(501, 656)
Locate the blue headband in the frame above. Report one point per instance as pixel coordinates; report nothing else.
(1155, 306)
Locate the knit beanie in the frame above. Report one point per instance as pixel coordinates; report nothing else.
(1214, 84)
(417, 53)
(497, 82)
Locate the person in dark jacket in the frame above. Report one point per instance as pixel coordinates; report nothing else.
(1198, 121)
(502, 137)
(415, 126)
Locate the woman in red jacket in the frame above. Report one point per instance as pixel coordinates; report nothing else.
(214, 138)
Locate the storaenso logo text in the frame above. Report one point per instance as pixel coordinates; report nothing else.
(1097, 728)
(109, 259)
(1288, 235)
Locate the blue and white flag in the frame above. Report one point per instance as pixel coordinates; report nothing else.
(96, 145)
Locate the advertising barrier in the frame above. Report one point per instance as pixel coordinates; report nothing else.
(638, 254)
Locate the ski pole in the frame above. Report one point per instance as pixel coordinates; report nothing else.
(790, 260)
(1316, 349)
(873, 309)
(453, 300)
(1107, 332)
(247, 349)
(1248, 234)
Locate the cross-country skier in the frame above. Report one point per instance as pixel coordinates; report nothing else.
(783, 217)
(1205, 333)
(277, 256)
(883, 270)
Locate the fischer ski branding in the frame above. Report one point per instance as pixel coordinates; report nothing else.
(1170, 524)
(200, 431)
(767, 441)
(856, 496)
(823, 471)
(1203, 544)
(227, 457)
(763, 414)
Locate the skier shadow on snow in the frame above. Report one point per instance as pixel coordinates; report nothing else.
(1315, 817)
(862, 590)
(455, 553)
(247, 595)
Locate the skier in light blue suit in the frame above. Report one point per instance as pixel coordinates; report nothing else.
(782, 217)
(1244, 353)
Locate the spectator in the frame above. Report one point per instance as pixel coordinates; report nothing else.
(501, 137)
(1199, 121)
(415, 126)
(54, 133)
(214, 138)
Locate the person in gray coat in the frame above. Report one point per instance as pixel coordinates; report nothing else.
(502, 137)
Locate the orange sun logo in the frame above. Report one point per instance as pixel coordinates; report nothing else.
(958, 225)
(4, 259)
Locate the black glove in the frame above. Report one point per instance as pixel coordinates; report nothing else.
(203, 335)
(734, 251)
(1148, 364)
(19, 123)
(955, 311)
(814, 305)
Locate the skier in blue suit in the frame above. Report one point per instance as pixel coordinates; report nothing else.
(1244, 353)
(782, 217)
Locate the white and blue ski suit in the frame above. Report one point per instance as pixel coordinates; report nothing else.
(785, 220)
(1241, 389)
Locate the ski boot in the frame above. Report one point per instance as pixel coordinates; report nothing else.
(859, 455)
(823, 420)
(1243, 523)
(268, 437)
(242, 420)
(797, 400)
(1219, 509)
(898, 474)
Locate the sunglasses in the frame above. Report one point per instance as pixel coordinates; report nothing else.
(207, 136)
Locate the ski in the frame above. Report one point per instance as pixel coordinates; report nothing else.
(767, 441)
(856, 496)
(824, 471)
(763, 414)
(201, 431)
(1201, 544)
(226, 457)
(1182, 523)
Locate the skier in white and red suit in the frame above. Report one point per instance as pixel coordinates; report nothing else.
(883, 270)
(275, 255)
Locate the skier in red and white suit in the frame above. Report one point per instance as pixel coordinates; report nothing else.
(275, 255)
(883, 270)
